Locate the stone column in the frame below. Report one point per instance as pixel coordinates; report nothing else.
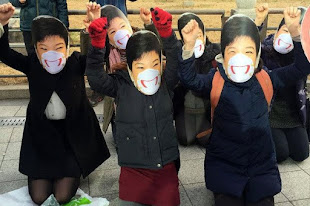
(246, 7)
(188, 3)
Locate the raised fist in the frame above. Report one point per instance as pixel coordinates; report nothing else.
(190, 33)
(146, 16)
(93, 11)
(6, 12)
(261, 13)
(292, 18)
(98, 32)
(162, 21)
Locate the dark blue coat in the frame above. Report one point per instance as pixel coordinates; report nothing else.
(273, 60)
(240, 157)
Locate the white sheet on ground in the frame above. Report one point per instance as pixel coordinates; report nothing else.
(21, 197)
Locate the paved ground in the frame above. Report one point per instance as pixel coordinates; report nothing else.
(104, 180)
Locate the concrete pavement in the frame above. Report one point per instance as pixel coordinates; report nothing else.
(103, 181)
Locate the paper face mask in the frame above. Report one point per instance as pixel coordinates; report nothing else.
(199, 48)
(283, 44)
(121, 38)
(148, 81)
(53, 61)
(240, 68)
(305, 34)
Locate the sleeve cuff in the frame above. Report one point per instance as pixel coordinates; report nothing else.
(1, 30)
(186, 54)
(296, 38)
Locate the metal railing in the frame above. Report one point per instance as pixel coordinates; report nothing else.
(216, 12)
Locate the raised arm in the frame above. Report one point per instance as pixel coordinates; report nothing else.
(288, 75)
(98, 79)
(7, 55)
(163, 22)
(197, 82)
(261, 14)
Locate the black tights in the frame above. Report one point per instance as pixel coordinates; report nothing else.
(63, 189)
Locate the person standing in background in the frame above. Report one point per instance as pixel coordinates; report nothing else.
(33, 8)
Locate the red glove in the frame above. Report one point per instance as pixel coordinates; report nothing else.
(162, 21)
(98, 32)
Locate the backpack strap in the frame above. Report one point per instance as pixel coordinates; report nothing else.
(217, 87)
(266, 84)
(263, 79)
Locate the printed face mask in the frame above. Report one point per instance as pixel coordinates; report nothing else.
(199, 48)
(121, 38)
(53, 61)
(240, 68)
(148, 81)
(283, 44)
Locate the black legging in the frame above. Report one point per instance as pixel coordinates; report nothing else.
(291, 142)
(63, 189)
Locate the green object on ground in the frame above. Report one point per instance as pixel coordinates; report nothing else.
(77, 202)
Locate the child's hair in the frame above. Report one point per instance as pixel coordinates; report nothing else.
(112, 12)
(185, 18)
(45, 26)
(140, 43)
(236, 26)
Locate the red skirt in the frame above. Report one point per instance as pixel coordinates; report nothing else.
(150, 187)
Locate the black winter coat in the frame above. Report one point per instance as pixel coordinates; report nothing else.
(145, 134)
(82, 129)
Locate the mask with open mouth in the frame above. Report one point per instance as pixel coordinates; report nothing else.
(240, 68)
(148, 81)
(121, 38)
(283, 44)
(53, 61)
(199, 48)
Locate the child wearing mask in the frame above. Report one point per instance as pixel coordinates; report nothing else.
(240, 163)
(289, 112)
(146, 141)
(191, 112)
(62, 140)
(119, 31)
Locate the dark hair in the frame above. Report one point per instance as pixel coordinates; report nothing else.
(237, 26)
(185, 18)
(140, 43)
(45, 26)
(112, 12)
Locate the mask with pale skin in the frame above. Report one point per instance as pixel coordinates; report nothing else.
(52, 53)
(199, 45)
(283, 42)
(146, 73)
(240, 58)
(119, 32)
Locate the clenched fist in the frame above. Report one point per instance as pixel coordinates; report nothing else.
(6, 12)
(292, 18)
(190, 34)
